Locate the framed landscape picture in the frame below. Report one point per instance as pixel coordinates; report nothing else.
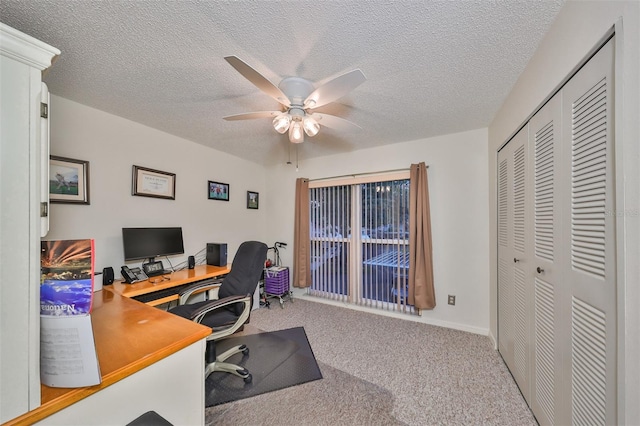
(68, 180)
(218, 191)
(252, 200)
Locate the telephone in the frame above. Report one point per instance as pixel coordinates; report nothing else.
(133, 275)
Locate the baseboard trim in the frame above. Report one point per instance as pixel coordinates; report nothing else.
(494, 341)
(421, 319)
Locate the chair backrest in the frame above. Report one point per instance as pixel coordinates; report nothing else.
(246, 269)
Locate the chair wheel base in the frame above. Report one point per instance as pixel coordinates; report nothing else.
(246, 376)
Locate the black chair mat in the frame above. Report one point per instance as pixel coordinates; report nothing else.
(276, 360)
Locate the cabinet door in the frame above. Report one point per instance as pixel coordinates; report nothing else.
(591, 305)
(44, 160)
(547, 331)
(514, 257)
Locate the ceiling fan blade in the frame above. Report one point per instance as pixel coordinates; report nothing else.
(334, 122)
(258, 80)
(335, 89)
(252, 115)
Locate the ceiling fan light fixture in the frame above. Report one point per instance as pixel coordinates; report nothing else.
(296, 135)
(281, 123)
(311, 126)
(297, 98)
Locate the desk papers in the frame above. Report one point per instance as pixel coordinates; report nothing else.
(68, 355)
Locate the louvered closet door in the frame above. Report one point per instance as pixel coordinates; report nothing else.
(514, 257)
(505, 259)
(547, 334)
(591, 305)
(556, 269)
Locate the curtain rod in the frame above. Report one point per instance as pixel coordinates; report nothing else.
(360, 174)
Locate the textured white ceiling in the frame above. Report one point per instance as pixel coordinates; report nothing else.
(432, 67)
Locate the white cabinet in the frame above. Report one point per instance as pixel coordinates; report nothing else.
(556, 267)
(21, 63)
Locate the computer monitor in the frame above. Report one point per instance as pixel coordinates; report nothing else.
(147, 243)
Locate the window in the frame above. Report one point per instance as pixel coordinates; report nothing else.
(360, 242)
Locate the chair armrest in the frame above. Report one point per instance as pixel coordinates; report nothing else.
(217, 304)
(199, 314)
(198, 287)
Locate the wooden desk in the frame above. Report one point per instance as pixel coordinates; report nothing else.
(129, 337)
(185, 276)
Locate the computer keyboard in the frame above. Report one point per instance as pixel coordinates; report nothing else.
(156, 273)
(148, 297)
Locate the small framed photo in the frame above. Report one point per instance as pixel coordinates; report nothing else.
(153, 183)
(68, 180)
(218, 191)
(252, 200)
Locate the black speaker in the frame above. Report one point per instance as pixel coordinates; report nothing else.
(217, 254)
(191, 261)
(107, 276)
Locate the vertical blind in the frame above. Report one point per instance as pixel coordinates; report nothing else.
(360, 243)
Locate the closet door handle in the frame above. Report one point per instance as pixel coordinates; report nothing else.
(540, 270)
(516, 260)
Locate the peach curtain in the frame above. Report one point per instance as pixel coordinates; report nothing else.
(301, 240)
(421, 291)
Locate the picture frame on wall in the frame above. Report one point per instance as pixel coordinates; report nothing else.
(218, 191)
(153, 183)
(253, 200)
(68, 180)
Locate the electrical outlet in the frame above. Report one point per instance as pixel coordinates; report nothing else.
(452, 300)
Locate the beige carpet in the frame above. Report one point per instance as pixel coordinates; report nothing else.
(382, 371)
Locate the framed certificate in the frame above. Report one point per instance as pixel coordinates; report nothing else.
(153, 183)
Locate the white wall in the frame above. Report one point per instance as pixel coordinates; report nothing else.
(457, 183)
(577, 29)
(112, 145)
(459, 214)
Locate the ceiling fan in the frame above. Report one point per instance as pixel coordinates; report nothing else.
(298, 98)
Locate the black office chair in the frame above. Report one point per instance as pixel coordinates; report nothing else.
(231, 310)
